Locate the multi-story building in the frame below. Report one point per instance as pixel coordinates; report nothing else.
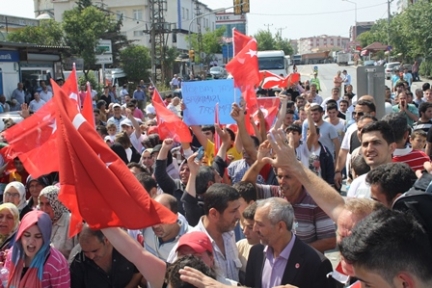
(322, 42)
(178, 16)
(360, 28)
(230, 21)
(10, 24)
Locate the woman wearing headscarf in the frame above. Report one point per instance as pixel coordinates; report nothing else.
(15, 193)
(9, 221)
(32, 262)
(50, 204)
(34, 187)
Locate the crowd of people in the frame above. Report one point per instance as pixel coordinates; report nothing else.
(259, 211)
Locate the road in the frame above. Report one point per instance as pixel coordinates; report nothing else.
(326, 73)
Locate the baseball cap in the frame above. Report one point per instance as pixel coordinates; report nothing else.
(196, 240)
(116, 105)
(150, 109)
(126, 122)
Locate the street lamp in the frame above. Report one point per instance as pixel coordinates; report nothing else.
(355, 19)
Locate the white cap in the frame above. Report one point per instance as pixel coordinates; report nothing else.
(126, 122)
(150, 109)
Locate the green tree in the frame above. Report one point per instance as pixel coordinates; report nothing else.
(265, 40)
(118, 40)
(211, 43)
(283, 44)
(49, 32)
(83, 28)
(82, 4)
(135, 61)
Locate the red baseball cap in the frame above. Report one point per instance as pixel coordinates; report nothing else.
(197, 240)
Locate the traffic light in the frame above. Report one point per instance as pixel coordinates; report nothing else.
(192, 55)
(245, 6)
(237, 7)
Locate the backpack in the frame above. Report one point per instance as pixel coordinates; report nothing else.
(418, 203)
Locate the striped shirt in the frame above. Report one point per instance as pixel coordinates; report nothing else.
(313, 223)
(414, 158)
(425, 126)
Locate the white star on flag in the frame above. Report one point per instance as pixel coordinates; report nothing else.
(53, 125)
(252, 53)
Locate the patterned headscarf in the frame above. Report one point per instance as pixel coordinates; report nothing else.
(21, 190)
(51, 193)
(33, 276)
(16, 215)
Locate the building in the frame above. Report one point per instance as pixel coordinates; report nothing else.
(403, 4)
(294, 45)
(360, 28)
(10, 24)
(178, 16)
(230, 21)
(320, 43)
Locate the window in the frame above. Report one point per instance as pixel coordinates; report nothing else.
(138, 33)
(183, 13)
(187, 14)
(137, 14)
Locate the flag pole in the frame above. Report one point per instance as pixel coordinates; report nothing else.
(155, 89)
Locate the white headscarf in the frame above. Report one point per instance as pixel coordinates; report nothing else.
(21, 190)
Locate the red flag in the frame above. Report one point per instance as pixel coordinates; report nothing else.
(170, 125)
(87, 110)
(240, 41)
(339, 275)
(216, 136)
(95, 183)
(31, 139)
(244, 67)
(270, 107)
(157, 98)
(270, 80)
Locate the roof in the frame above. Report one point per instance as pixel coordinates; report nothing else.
(376, 46)
(7, 44)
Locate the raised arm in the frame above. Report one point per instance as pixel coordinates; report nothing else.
(252, 173)
(237, 114)
(282, 112)
(166, 183)
(152, 268)
(135, 123)
(312, 136)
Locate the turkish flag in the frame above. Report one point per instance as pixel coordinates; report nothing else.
(270, 80)
(95, 183)
(87, 110)
(240, 41)
(170, 125)
(157, 98)
(244, 66)
(270, 107)
(339, 275)
(32, 138)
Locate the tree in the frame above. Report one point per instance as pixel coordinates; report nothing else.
(265, 40)
(135, 61)
(83, 28)
(211, 43)
(49, 32)
(82, 4)
(283, 44)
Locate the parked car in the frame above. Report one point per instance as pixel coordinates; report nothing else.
(389, 68)
(218, 72)
(14, 116)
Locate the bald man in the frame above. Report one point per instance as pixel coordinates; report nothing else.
(160, 239)
(99, 265)
(365, 105)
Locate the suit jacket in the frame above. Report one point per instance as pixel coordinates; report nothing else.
(121, 152)
(306, 267)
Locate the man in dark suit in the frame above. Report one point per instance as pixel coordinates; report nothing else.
(283, 258)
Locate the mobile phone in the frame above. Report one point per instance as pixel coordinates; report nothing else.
(200, 154)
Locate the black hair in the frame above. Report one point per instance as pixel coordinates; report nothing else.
(102, 129)
(136, 165)
(388, 242)
(249, 212)
(369, 104)
(210, 128)
(426, 86)
(344, 101)
(96, 110)
(331, 106)
(173, 275)
(398, 123)
(381, 126)
(423, 107)
(359, 165)
(255, 141)
(231, 133)
(205, 175)
(146, 180)
(317, 108)
(392, 178)
(294, 128)
(218, 196)
(247, 190)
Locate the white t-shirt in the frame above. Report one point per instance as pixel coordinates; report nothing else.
(359, 188)
(137, 142)
(340, 128)
(46, 96)
(36, 105)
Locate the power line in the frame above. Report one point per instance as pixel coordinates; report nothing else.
(318, 13)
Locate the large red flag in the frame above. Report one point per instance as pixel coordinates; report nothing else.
(270, 107)
(33, 138)
(157, 98)
(95, 183)
(240, 41)
(87, 110)
(170, 125)
(270, 80)
(244, 66)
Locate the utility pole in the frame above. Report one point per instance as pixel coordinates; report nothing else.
(280, 31)
(268, 27)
